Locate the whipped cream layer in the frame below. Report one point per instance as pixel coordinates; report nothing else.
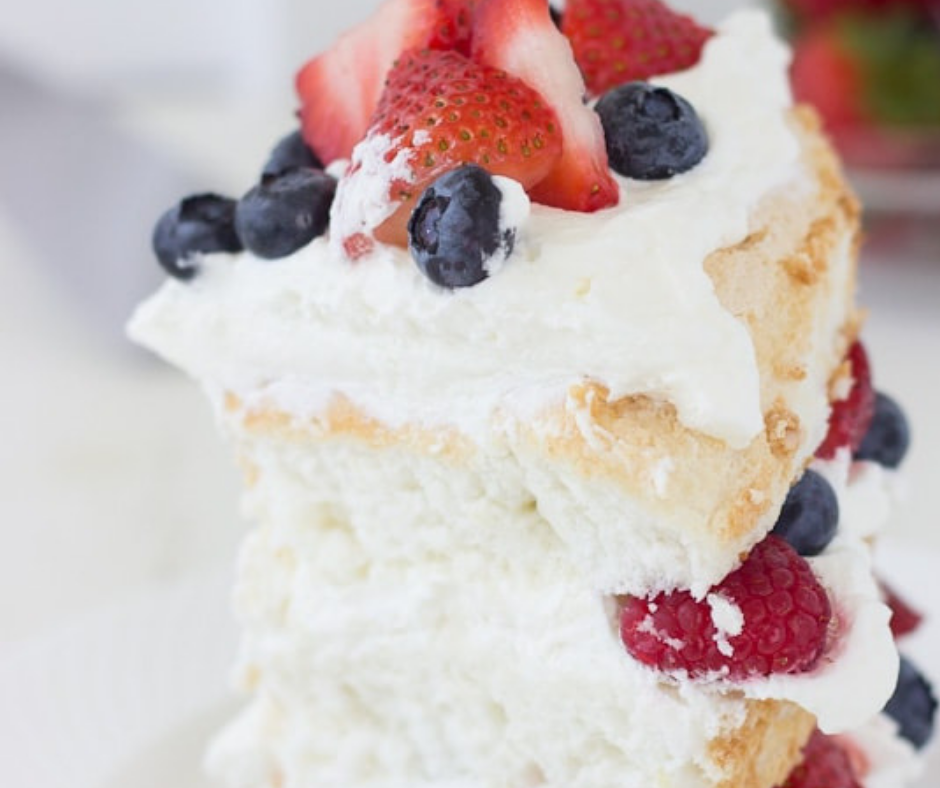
(619, 297)
(455, 645)
(458, 643)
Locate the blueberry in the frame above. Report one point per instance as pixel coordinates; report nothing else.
(809, 516)
(913, 705)
(290, 154)
(285, 212)
(651, 133)
(888, 437)
(201, 223)
(454, 230)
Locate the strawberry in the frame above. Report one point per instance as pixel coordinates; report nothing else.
(455, 25)
(440, 110)
(826, 74)
(826, 764)
(520, 37)
(617, 41)
(851, 417)
(873, 74)
(786, 616)
(340, 88)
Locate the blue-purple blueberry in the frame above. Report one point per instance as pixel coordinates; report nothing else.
(651, 132)
(291, 153)
(200, 224)
(810, 515)
(888, 436)
(913, 705)
(454, 230)
(285, 212)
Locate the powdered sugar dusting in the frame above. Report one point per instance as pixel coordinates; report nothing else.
(362, 197)
(728, 620)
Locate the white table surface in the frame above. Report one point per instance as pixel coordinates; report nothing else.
(114, 478)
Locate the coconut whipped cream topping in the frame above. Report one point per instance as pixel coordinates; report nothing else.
(619, 297)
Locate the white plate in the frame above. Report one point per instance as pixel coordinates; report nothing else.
(128, 698)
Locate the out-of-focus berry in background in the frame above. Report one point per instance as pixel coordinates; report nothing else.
(872, 69)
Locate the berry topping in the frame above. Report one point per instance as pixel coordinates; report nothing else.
(651, 132)
(455, 230)
(520, 37)
(285, 212)
(454, 28)
(441, 110)
(786, 616)
(913, 705)
(810, 515)
(617, 41)
(199, 224)
(851, 416)
(888, 436)
(827, 75)
(340, 88)
(289, 154)
(905, 619)
(872, 69)
(825, 764)
(818, 10)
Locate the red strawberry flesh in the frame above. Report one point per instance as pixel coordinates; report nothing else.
(340, 88)
(520, 37)
(455, 26)
(618, 41)
(786, 618)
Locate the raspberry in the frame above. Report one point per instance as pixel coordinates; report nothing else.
(826, 764)
(786, 616)
(904, 617)
(851, 417)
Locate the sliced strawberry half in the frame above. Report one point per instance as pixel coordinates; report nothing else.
(520, 37)
(617, 41)
(440, 110)
(340, 88)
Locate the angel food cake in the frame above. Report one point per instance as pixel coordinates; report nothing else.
(562, 448)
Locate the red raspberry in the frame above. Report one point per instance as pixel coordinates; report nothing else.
(786, 619)
(904, 618)
(851, 417)
(826, 764)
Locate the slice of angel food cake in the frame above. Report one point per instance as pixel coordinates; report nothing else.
(561, 446)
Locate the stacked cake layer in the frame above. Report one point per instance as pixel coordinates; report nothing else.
(463, 494)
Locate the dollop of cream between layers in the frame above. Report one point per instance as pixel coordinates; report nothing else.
(619, 297)
(484, 621)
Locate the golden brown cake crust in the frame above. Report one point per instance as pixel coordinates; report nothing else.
(763, 751)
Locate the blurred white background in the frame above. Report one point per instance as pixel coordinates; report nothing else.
(113, 477)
